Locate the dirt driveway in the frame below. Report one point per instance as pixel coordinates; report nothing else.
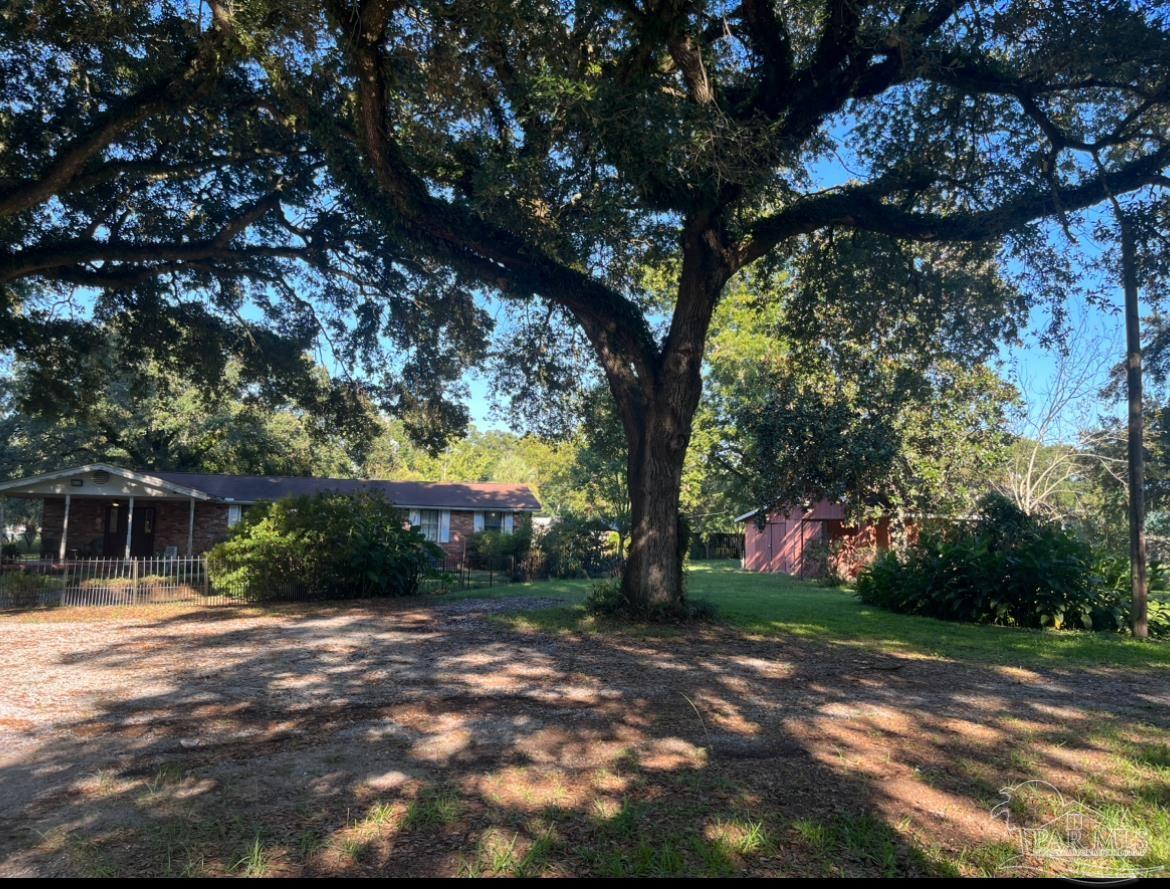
(434, 739)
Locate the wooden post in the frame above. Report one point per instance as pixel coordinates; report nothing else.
(129, 526)
(64, 530)
(191, 528)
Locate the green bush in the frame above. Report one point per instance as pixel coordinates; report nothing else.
(577, 547)
(1117, 595)
(1005, 568)
(495, 545)
(605, 598)
(20, 588)
(1158, 618)
(327, 546)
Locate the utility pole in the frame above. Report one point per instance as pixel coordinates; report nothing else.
(1135, 446)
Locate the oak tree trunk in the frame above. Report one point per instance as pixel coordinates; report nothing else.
(652, 580)
(657, 415)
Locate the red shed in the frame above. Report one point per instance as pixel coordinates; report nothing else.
(806, 543)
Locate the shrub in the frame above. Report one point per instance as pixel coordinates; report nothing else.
(605, 598)
(496, 545)
(23, 588)
(329, 545)
(1117, 596)
(577, 547)
(1158, 618)
(1006, 568)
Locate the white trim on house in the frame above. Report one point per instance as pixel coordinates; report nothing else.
(29, 484)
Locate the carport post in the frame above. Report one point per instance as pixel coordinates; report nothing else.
(129, 526)
(191, 528)
(64, 530)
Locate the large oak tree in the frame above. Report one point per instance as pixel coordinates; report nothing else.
(356, 169)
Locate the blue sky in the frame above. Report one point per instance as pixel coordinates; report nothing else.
(1034, 362)
(1095, 327)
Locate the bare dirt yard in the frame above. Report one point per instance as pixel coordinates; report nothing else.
(436, 739)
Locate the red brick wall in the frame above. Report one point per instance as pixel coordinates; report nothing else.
(87, 517)
(87, 523)
(171, 525)
(463, 527)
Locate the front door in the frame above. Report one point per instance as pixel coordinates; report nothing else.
(141, 541)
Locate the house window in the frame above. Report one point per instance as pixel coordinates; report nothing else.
(493, 520)
(235, 513)
(428, 522)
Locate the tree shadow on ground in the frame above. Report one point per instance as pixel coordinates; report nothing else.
(422, 739)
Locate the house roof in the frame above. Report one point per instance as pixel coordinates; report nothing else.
(250, 488)
(446, 495)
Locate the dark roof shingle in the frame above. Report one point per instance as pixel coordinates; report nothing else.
(444, 495)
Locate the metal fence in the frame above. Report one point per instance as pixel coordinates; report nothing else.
(46, 583)
(93, 582)
(468, 574)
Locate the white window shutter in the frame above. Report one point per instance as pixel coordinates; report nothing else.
(415, 518)
(507, 528)
(445, 526)
(478, 522)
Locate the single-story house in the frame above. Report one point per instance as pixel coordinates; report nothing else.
(100, 510)
(808, 542)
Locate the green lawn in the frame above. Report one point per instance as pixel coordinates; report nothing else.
(768, 603)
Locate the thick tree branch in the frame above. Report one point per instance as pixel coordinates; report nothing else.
(124, 262)
(194, 75)
(495, 255)
(867, 207)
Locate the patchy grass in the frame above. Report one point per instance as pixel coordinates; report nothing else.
(432, 809)
(785, 742)
(778, 604)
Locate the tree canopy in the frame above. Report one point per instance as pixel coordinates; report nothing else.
(258, 179)
(150, 418)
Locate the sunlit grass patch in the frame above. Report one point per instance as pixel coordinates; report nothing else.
(509, 854)
(432, 809)
(256, 861)
(770, 604)
(743, 837)
(845, 842)
(381, 814)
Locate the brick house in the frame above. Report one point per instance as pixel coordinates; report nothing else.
(100, 510)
